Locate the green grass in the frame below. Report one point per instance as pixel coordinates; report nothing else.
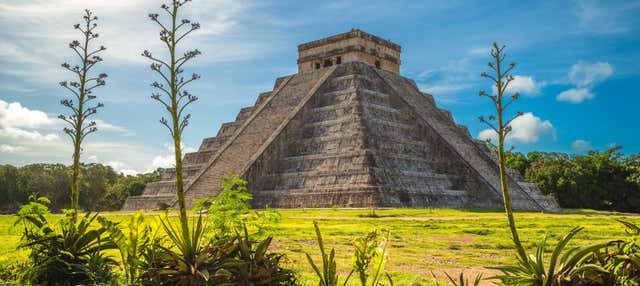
(422, 240)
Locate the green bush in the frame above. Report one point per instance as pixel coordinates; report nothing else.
(369, 260)
(620, 259)
(70, 255)
(136, 246)
(564, 267)
(230, 211)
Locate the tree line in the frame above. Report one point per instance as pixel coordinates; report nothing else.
(607, 180)
(102, 187)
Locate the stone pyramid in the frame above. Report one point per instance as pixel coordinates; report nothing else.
(349, 131)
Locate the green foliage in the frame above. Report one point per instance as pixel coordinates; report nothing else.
(462, 281)
(251, 264)
(598, 180)
(70, 255)
(370, 253)
(103, 188)
(134, 246)
(620, 259)
(185, 261)
(328, 275)
(230, 211)
(564, 267)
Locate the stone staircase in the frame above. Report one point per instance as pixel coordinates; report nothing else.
(331, 159)
(162, 194)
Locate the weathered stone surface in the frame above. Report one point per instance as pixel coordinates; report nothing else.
(352, 135)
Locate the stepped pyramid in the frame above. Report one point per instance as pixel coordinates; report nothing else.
(347, 130)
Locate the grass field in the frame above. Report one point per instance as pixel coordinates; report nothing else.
(422, 240)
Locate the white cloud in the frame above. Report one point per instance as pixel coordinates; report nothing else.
(123, 27)
(31, 135)
(168, 159)
(480, 51)
(527, 129)
(575, 95)
(580, 146)
(522, 84)
(15, 115)
(585, 74)
(4, 148)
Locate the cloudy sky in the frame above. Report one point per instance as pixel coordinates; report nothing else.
(577, 68)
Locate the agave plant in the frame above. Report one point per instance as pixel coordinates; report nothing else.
(71, 255)
(328, 275)
(186, 261)
(563, 266)
(621, 260)
(251, 264)
(132, 246)
(371, 253)
(462, 281)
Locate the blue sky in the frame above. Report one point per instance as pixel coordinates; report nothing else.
(577, 68)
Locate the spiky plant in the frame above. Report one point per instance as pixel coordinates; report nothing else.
(500, 123)
(327, 275)
(81, 104)
(564, 266)
(171, 91)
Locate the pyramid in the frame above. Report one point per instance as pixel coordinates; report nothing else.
(347, 130)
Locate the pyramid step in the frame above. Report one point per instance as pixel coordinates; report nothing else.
(244, 113)
(340, 162)
(212, 143)
(160, 188)
(146, 202)
(199, 157)
(293, 180)
(228, 128)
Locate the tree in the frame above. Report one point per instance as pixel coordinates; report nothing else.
(81, 108)
(170, 90)
(501, 124)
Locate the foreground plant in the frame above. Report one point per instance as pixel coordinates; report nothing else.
(251, 264)
(620, 259)
(230, 212)
(171, 91)
(370, 258)
(327, 275)
(132, 246)
(501, 125)
(82, 90)
(185, 260)
(461, 281)
(564, 267)
(70, 255)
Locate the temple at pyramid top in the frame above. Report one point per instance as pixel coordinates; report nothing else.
(347, 130)
(352, 46)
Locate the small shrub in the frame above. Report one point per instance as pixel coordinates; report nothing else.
(186, 261)
(71, 255)
(328, 274)
(133, 245)
(230, 211)
(562, 268)
(620, 259)
(251, 264)
(462, 281)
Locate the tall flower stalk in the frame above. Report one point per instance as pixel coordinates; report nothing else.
(170, 90)
(500, 123)
(81, 104)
